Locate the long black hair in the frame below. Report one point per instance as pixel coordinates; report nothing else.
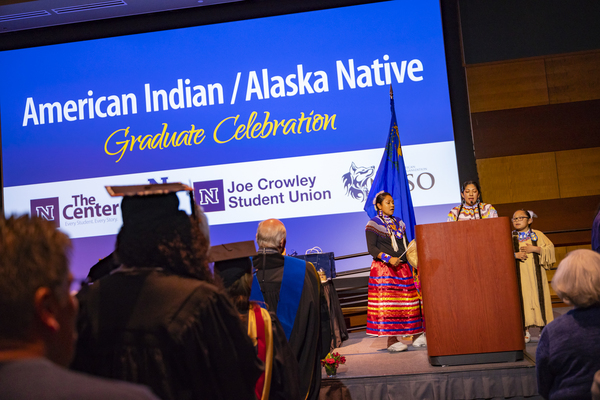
(155, 234)
(467, 183)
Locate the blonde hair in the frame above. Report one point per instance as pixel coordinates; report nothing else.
(577, 280)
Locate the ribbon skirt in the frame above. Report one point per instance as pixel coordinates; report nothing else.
(394, 304)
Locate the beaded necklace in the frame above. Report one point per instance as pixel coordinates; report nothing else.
(524, 236)
(392, 227)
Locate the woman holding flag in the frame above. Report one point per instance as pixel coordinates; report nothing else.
(394, 307)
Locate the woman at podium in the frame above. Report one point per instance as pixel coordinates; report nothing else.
(394, 307)
(535, 254)
(471, 206)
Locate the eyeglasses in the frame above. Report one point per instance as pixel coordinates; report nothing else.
(519, 218)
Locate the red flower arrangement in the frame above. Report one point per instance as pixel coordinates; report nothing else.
(332, 362)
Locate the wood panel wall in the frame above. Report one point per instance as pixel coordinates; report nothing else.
(536, 134)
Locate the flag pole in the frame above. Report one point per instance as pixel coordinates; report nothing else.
(392, 178)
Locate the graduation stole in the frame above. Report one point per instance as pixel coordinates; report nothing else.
(260, 331)
(290, 292)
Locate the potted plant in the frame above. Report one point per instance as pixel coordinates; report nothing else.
(332, 362)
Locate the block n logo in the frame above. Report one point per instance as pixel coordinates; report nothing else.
(209, 194)
(47, 209)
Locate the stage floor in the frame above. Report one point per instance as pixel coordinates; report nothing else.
(371, 372)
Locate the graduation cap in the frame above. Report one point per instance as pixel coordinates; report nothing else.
(150, 215)
(158, 198)
(232, 260)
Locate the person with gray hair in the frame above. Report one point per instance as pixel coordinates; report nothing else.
(291, 288)
(271, 234)
(568, 354)
(37, 319)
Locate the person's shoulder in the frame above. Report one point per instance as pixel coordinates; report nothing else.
(55, 382)
(180, 283)
(540, 234)
(91, 388)
(561, 326)
(453, 214)
(310, 272)
(376, 225)
(486, 205)
(375, 220)
(188, 297)
(298, 262)
(488, 210)
(272, 260)
(592, 312)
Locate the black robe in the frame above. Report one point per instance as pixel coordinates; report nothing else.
(311, 333)
(180, 336)
(284, 378)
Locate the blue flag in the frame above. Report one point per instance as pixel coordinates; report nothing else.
(391, 177)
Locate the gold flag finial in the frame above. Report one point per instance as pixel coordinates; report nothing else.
(391, 93)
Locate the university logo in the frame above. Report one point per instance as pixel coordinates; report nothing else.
(357, 181)
(209, 194)
(46, 209)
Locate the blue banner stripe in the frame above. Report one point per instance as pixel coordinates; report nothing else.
(396, 330)
(391, 277)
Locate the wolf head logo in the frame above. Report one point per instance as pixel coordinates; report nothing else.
(357, 181)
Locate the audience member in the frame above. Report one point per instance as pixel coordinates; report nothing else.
(394, 301)
(534, 254)
(292, 289)
(596, 232)
(159, 319)
(280, 379)
(37, 319)
(568, 353)
(596, 386)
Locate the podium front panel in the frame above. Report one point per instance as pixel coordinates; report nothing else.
(469, 284)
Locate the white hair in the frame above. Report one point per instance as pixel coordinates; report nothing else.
(270, 233)
(577, 280)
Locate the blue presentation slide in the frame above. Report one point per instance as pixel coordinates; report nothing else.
(281, 117)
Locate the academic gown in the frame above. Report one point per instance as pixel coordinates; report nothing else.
(311, 333)
(284, 376)
(180, 336)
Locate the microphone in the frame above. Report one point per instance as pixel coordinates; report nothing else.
(515, 240)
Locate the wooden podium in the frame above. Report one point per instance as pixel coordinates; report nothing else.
(470, 292)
